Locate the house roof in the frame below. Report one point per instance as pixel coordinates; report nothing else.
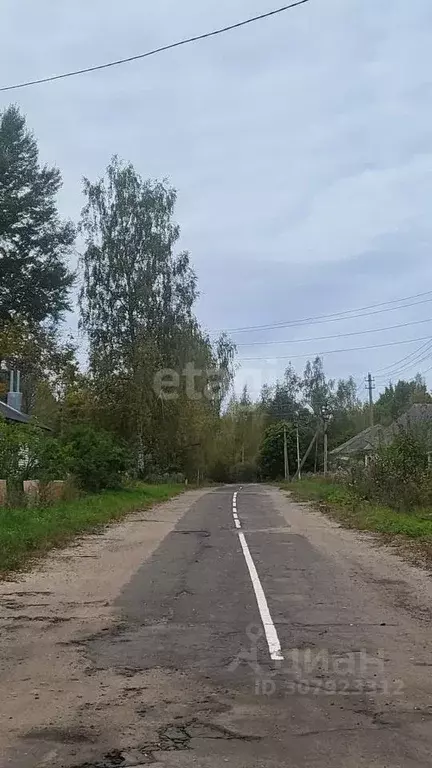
(368, 440)
(419, 415)
(12, 414)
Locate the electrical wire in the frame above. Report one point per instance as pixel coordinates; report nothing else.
(418, 360)
(403, 372)
(403, 359)
(334, 317)
(426, 371)
(334, 336)
(413, 359)
(335, 351)
(162, 49)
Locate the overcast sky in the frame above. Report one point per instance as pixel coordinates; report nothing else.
(301, 148)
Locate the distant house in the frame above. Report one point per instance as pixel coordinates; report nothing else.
(11, 410)
(361, 447)
(10, 406)
(417, 419)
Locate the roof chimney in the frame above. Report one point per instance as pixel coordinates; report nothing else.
(14, 396)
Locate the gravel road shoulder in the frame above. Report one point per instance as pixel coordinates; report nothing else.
(362, 555)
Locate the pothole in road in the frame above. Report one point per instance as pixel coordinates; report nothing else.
(178, 737)
(200, 729)
(122, 759)
(172, 738)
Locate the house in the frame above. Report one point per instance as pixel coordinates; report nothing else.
(418, 419)
(10, 407)
(11, 410)
(360, 447)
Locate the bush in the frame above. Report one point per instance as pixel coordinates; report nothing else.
(13, 454)
(244, 473)
(92, 457)
(95, 459)
(271, 453)
(165, 478)
(28, 453)
(398, 475)
(51, 460)
(220, 472)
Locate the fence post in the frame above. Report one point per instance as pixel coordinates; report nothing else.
(31, 491)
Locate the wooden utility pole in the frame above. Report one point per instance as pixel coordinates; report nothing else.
(311, 444)
(325, 447)
(298, 454)
(286, 465)
(370, 386)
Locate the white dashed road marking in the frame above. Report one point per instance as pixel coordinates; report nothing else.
(271, 634)
(235, 515)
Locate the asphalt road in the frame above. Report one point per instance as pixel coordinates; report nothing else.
(254, 635)
(191, 613)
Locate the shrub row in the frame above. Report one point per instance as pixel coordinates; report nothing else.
(90, 457)
(223, 472)
(398, 476)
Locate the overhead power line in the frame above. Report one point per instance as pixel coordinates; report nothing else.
(422, 353)
(162, 49)
(411, 366)
(335, 351)
(418, 359)
(397, 363)
(334, 336)
(426, 371)
(334, 316)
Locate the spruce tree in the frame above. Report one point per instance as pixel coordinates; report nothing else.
(34, 242)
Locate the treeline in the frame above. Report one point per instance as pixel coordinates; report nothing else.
(155, 385)
(251, 435)
(136, 298)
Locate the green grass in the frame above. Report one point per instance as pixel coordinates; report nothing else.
(30, 532)
(340, 502)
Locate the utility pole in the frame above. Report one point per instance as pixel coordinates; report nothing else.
(298, 453)
(286, 465)
(325, 447)
(311, 444)
(370, 386)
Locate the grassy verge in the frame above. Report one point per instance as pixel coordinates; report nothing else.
(26, 533)
(340, 503)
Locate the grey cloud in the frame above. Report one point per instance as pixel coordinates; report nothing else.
(300, 147)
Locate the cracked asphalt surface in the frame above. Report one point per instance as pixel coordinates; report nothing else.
(162, 659)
